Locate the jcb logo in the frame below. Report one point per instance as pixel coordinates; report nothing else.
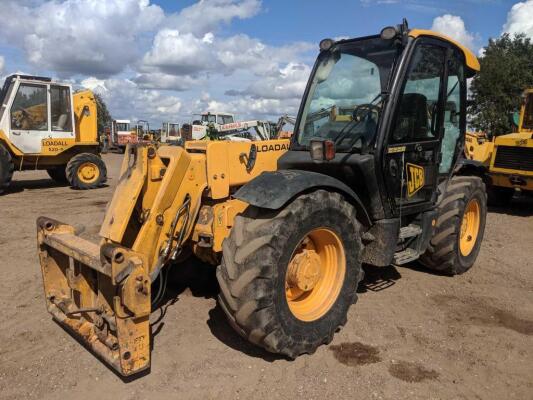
(415, 179)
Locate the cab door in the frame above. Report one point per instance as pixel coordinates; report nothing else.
(411, 153)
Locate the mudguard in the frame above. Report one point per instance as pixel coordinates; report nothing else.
(272, 190)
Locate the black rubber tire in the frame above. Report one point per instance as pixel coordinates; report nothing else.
(254, 264)
(499, 196)
(72, 171)
(6, 168)
(443, 253)
(58, 174)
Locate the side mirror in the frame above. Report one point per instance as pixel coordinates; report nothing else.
(514, 118)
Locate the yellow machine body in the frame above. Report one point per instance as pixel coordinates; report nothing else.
(508, 158)
(167, 198)
(49, 145)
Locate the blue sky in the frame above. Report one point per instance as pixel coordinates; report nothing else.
(165, 60)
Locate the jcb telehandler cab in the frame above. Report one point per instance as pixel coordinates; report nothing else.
(382, 183)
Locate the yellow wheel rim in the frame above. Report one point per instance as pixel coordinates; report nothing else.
(88, 172)
(469, 227)
(315, 274)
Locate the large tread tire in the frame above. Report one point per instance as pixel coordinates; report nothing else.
(443, 253)
(499, 196)
(254, 264)
(6, 168)
(76, 162)
(58, 174)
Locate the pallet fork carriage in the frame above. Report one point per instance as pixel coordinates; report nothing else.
(376, 179)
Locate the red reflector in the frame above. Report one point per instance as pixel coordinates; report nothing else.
(329, 150)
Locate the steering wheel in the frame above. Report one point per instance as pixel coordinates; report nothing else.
(361, 110)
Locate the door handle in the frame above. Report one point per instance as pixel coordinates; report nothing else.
(419, 148)
(393, 168)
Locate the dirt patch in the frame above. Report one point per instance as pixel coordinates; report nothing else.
(354, 354)
(478, 311)
(411, 372)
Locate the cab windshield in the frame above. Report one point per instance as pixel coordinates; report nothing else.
(345, 97)
(209, 118)
(123, 127)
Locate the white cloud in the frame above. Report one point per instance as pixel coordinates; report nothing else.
(454, 27)
(159, 80)
(289, 83)
(207, 15)
(127, 100)
(177, 53)
(180, 53)
(79, 36)
(249, 108)
(2, 64)
(148, 65)
(520, 19)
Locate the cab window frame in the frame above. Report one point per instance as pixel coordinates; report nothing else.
(403, 76)
(69, 122)
(47, 105)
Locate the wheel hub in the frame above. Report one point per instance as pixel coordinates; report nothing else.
(304, 270)
(315, 274)
(88, 172)
(469, 227)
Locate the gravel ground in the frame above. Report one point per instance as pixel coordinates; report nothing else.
(412, 335)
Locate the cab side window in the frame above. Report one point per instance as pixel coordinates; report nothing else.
(60, 108)
(417, 114)
(453, 111)
(29, 111)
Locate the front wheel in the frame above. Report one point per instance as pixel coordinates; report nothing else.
(86, 171)
(288, 277)
(460, 226)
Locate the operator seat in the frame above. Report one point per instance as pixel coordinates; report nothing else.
(61, 122)
(412, 119)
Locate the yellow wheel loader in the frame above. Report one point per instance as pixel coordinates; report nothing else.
(44, 125)
(508, 158)
(287, 225)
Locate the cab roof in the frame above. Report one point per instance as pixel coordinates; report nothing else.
(471, 60)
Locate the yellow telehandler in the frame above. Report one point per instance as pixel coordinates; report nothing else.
(507, 158)
(286, 224)
(44, 125)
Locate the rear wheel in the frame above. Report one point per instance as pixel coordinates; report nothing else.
(6, 168)
(86, 171)
(460, 227)
(58, 174)
(288, 277)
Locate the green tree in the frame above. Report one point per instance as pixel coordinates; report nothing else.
(506, 70)
(103, 116)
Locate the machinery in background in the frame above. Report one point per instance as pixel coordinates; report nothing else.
(283, 121)
(44, 125)
(508, 158)
(122, 134)
(170, 133)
